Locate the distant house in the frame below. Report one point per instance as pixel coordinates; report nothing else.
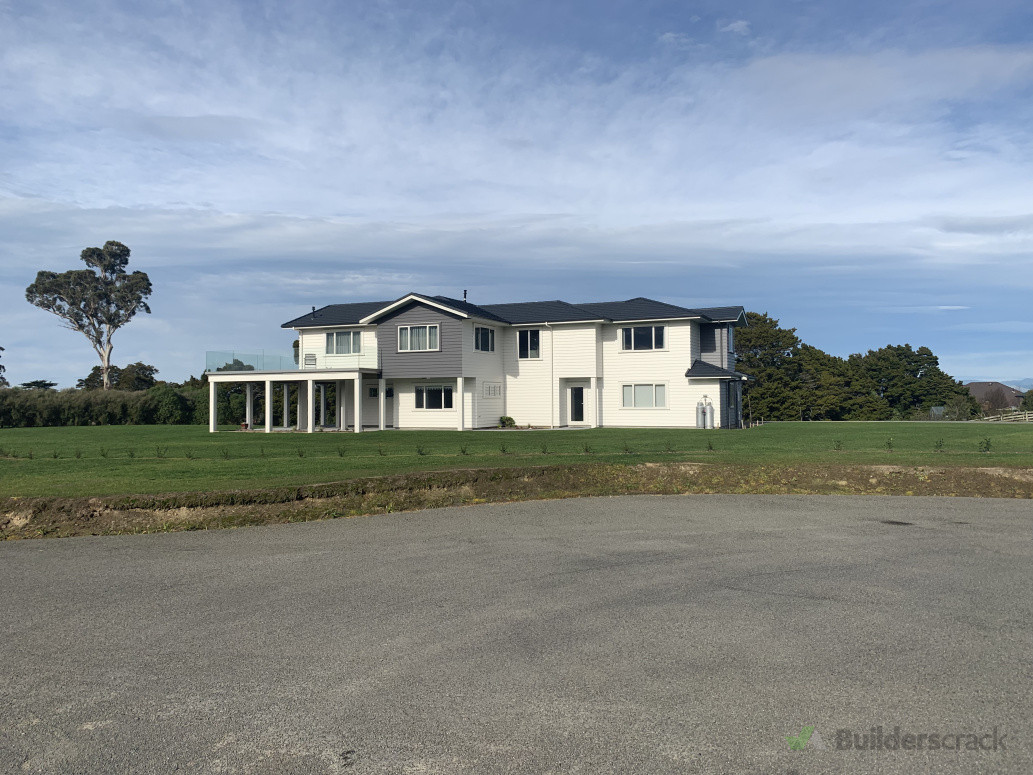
(993, 396)
(436, 362)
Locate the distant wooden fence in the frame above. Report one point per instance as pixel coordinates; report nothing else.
(1011, 417)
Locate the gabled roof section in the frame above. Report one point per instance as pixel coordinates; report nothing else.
(555, 311)
(454, 306)
(736, 315)
(703, 370)
(336, 315)
(639, 309)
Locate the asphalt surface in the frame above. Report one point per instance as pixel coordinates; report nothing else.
(616, 635)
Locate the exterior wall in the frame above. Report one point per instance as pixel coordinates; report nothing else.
(655, 366)
(528, 387)
(312, 341)
(481, 368)
(715, 345)
(410, 417)
(446, 362)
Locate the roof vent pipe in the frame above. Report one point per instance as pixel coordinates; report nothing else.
(464, 294)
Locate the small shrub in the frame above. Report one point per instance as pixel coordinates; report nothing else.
(503, 449)
(340, 452)
(463, 451)
(420, 450)
(301, 452)
(78, 454)
(103, 452)
(505, 421)
(380, 451)
(627, 449)
(55, 454)
(587, 449)
(188, 454)
(159, 452)
(837, 445)
(710, 445)
(545, 449)
(938, 446)
(668, 448)
(985, 445)
(29, 456)
(889, 444)
(225, 453)
(130, 453)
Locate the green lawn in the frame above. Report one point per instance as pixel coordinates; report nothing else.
(155, 459)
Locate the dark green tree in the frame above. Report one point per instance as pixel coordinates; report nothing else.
(38, 384)
(3, 379)
(909, 380)
(1027, 401)
(768, 354)
(135, 376)
(96, 301)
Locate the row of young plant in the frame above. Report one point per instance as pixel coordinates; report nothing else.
(985, 445)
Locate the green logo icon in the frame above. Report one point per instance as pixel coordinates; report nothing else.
(808, 736)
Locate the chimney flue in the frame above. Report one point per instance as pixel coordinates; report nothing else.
(464, 294)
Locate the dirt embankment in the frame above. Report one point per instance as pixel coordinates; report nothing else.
(43, 517)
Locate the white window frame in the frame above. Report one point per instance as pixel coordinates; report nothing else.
(477, 339)
(654, 386)
(652, 338)
(408, 338)
(529, 357)
(424, 388)
(354, 337)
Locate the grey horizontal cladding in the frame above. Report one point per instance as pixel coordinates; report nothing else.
(446, 362)
(336, 315)
(713, 344)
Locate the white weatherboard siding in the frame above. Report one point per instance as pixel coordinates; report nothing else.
(411, 417)
(528, 387)
(665, 367)
(480, 368)
(312, 341)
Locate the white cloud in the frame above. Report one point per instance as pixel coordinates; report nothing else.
(739, 27)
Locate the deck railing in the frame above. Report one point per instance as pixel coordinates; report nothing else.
(250, 360)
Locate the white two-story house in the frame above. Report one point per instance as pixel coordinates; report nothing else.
(435, 362)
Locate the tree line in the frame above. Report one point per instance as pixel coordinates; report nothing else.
(792, 380)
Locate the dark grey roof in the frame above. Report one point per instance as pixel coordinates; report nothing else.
(722, 314)
(518, 313)
(337, 315)
(463, 306)
(703, 369)
(638, 309)
(541, 312)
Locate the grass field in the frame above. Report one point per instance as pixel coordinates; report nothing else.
(113, 460)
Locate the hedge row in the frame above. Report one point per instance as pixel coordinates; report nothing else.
(162, 405)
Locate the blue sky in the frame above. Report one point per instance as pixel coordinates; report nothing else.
(861, 171)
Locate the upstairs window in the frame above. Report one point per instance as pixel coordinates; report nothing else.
(417, 338)
(484, 339)
(528, 343)
(642, 338)
(344, 343)
(433, 397)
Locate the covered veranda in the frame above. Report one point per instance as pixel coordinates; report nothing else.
(310, 386)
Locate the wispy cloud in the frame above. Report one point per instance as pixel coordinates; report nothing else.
(319, 152)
